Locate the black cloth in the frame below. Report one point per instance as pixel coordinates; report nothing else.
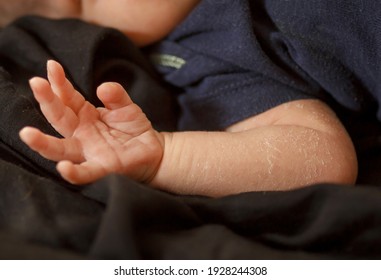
(43, 217)
(116, 218)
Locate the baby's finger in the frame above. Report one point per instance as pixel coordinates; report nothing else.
(61, 117)
(80, 174)
(50, 147)
(63, 88)
(113, 96)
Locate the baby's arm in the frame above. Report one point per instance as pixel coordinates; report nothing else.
(292, 145)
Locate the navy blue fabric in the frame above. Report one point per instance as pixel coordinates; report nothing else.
(244, 57)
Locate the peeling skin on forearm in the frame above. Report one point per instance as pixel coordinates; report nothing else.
(278, 156)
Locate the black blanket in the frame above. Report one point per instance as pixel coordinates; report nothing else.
(43, 217)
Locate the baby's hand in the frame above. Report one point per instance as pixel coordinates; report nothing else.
(96, 141)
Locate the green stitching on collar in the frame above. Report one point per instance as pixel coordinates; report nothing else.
(168, 60)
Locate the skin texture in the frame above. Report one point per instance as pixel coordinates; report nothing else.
(289, 146)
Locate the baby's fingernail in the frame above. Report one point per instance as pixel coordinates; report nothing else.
(49, 64)
(32, 81)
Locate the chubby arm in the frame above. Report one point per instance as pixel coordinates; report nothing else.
(289, 146)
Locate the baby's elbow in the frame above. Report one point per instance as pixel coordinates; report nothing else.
(342, 172)
(341, 165)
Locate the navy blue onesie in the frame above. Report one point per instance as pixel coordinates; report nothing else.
(235, 59)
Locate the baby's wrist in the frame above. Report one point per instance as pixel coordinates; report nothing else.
(163, 170)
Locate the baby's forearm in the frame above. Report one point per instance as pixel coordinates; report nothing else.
(267, 158)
